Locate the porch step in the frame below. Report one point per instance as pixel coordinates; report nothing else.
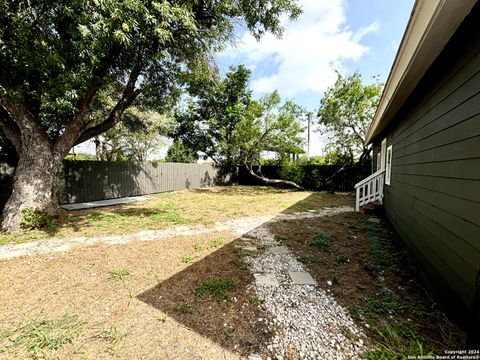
(372, 208)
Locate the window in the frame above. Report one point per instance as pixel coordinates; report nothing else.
(379, 157)
(388, 167)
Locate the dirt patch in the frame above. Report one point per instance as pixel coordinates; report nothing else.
(365, 266)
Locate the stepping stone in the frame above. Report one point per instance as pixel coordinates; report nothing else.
(249, 248)
(265, 280)
(374, 220)
(301, 278)
(278, 250)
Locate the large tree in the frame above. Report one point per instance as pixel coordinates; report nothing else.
(346, 110)
(55, 57)
(227, 125)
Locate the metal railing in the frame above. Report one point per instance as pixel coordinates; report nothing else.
(370, 189)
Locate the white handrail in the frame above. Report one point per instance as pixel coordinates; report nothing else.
(370, 189)
(367, 179)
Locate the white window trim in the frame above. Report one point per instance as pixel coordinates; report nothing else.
(388, 165)
(383, 155)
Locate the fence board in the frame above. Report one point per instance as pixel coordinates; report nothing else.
(99, 180)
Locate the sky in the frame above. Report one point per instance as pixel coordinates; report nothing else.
(347, 36)
(343, 35)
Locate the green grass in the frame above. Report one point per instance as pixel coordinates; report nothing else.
(185, 309)
(256, 301)
(113, 335)
(395, 343)
(216, 243)
(218, 289)
(280, 239)
(39, 335)
(342, 259)
(355, 312)
(319, 260)
(188, 259)
(198, 247)
(387, 303)
(321, 241)
(162, 317)
(120, 274)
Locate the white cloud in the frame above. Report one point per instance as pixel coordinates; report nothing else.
(306, 57)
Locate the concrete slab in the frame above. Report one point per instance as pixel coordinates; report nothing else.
(278, 250)
(301, 278)
(265, 280)
(100, 203)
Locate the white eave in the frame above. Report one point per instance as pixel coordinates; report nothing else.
(431, 25)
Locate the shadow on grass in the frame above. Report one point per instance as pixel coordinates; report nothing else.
(235, 321)
(213, 298)
(363, 261)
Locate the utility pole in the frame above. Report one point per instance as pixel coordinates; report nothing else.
(309, 118)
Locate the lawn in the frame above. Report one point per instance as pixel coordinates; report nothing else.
(188, 207)
(190, 297)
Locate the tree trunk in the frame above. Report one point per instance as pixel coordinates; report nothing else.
(273, 181)
(34, 182)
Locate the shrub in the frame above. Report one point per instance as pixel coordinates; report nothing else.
(33, 219)
(292, 171)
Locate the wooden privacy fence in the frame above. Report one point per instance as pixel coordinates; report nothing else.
(99, 180)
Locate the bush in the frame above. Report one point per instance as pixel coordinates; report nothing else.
(34, 219)
(292, 171)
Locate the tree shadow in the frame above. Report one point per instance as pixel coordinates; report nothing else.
(237, 324)
(358, 253)
(232, 320)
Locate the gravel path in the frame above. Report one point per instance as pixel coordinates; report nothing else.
(307, 319)
(239, 226)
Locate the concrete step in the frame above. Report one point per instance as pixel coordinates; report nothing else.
(372, 208)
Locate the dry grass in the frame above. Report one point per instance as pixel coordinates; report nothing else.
(187, 207)
(127, 298)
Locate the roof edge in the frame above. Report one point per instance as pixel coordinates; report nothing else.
(430, 27)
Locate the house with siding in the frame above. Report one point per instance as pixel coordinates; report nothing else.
(426, 151)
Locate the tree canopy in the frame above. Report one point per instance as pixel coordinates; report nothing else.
(227, 125)
(346, 110)
(56, 56)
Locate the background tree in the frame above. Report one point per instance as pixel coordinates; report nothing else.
(55, 57)
(346, 110)
(209, 121)
(139, 136)
(179, 153)
(270, 126)
(228, 126)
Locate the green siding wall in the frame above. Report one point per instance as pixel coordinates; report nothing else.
(434, 196)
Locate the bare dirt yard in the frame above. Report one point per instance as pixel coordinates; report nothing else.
(185, 284)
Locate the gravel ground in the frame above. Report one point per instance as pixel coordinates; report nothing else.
(307, 320)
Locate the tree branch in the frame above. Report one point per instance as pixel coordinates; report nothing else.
(9, 128)
(21, 121)
(75, 124)
(129, 95)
